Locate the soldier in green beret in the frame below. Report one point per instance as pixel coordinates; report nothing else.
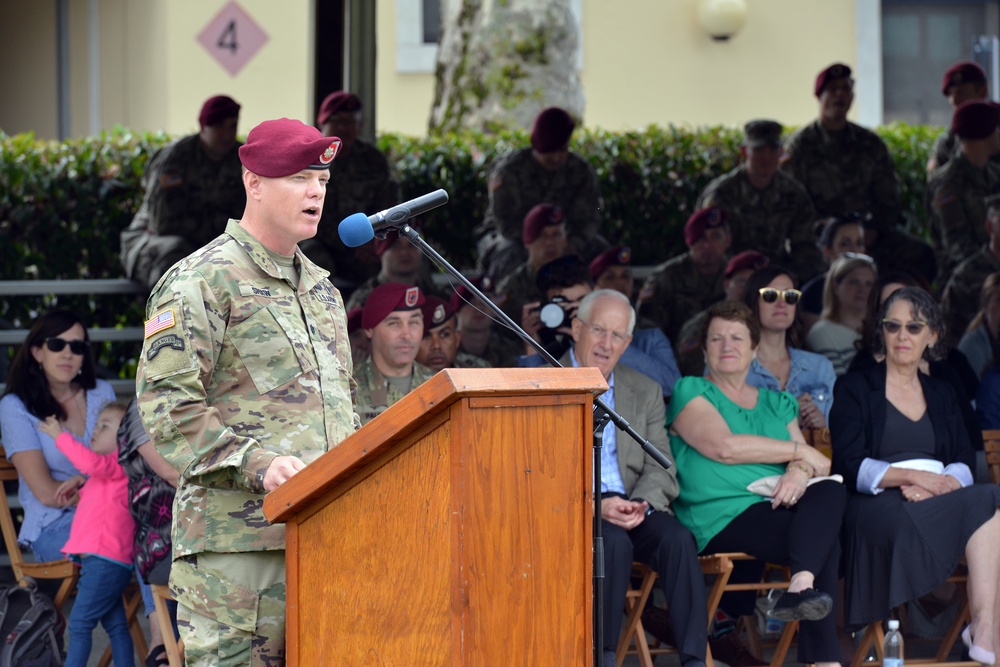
(244, 379)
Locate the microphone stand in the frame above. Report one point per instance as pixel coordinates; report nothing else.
(602, 414)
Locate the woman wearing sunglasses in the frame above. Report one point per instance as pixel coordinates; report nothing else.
(773, 298)
(52, 374)
(901, 444)
(849, 286)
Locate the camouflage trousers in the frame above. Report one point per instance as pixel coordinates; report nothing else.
(231, 608)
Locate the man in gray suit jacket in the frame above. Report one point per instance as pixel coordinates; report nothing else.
(637, 521)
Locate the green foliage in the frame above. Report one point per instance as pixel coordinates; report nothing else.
(63, 205)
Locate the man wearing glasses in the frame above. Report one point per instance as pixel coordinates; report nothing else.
(636, 492)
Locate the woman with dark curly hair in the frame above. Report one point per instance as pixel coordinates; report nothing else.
(900, 442)
(52, 374)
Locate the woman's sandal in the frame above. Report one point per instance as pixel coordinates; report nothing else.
(157, 657)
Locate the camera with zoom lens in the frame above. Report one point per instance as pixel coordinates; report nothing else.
(555, 314)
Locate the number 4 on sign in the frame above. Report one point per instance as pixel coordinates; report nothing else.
(232, 38)
(227, 40)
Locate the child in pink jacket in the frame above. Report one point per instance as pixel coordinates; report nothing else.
(100, 539)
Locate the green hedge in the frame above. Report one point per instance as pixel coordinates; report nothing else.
(63, 205)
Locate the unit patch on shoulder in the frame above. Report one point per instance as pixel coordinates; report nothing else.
(162, 320)
(172, 341)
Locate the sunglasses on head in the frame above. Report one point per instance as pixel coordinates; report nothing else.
(770, 295)
(913, 328)
(78, 347)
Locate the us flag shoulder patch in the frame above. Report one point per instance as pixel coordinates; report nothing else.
(159, 322)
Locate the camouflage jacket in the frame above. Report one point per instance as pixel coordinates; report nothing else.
(946, 146)
(956, 210)
(375, 394)
(186, 194)
(777, 220)
(238, 368)
(961, 295)
(517, 183)
(515, 290)
(676, 292)
(466, 360)
(844, 171)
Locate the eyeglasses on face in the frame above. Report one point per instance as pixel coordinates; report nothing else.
(599, 332)
(913, 328)
(77, 347)
(770, 295)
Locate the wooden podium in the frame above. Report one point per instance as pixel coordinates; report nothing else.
(453, 529)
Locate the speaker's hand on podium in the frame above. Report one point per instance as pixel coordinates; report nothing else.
(281, 470)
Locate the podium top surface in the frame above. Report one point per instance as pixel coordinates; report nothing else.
(417, 407)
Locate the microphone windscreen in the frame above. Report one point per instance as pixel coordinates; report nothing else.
(355, 230)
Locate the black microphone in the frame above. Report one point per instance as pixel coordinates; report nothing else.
(357, 229)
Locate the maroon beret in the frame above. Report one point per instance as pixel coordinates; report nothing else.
(283, 147)
(463, 296)
(217, 109)
(539, 217)
(748, 259)
(703, 219)
(386, 298)
(975, 119)
(964, 71)
(335, 102)
(834, 71)
(354, 319)
(552, 129)
(617, 256)
(436, 312)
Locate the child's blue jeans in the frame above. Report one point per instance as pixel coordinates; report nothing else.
(99, 598)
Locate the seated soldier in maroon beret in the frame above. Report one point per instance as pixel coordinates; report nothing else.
(963, 81)
(394, 324)
(439, 348)
(480, 337)
(546, 172)
(361, 181)
(193, 185)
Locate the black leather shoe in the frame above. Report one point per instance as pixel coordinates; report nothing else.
(806, 605)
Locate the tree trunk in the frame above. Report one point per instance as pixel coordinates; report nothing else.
(500, 62)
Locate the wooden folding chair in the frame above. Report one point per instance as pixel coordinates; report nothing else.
(173, 646)
(991, 444)
(60, 570)
(633, 640)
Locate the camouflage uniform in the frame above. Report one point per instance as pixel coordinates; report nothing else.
(956, 209)
(676, 291)
(466, 360)
(375, 394)
(961, 295)
(518, 182)
(239, 367)
(690, 356)
(946, 147)
(501, 351)
(187, 196)
(517, 289)
(777, 221)
(844, 172)
(358, 296)
(361, 181)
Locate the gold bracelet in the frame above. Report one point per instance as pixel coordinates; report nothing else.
(803, 468)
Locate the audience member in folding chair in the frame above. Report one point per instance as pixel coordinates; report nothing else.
(728, 437)
(900, 442)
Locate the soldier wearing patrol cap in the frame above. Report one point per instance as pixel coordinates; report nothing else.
(768, 210)
(192, 186)
(244, 378)
(681, 287)
(961, 295)
(612, 269)
(439, 348)
(956, 192)
(394, 324)
(361, 181)
(843, 166)
(963, 81)
(546, 172)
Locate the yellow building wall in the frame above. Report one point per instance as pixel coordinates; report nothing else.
(649, 62)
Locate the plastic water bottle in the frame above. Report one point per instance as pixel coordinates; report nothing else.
(892, 648)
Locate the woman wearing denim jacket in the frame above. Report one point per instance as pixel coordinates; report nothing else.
(772, 295)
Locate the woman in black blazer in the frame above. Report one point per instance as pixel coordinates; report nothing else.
(901, 444)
